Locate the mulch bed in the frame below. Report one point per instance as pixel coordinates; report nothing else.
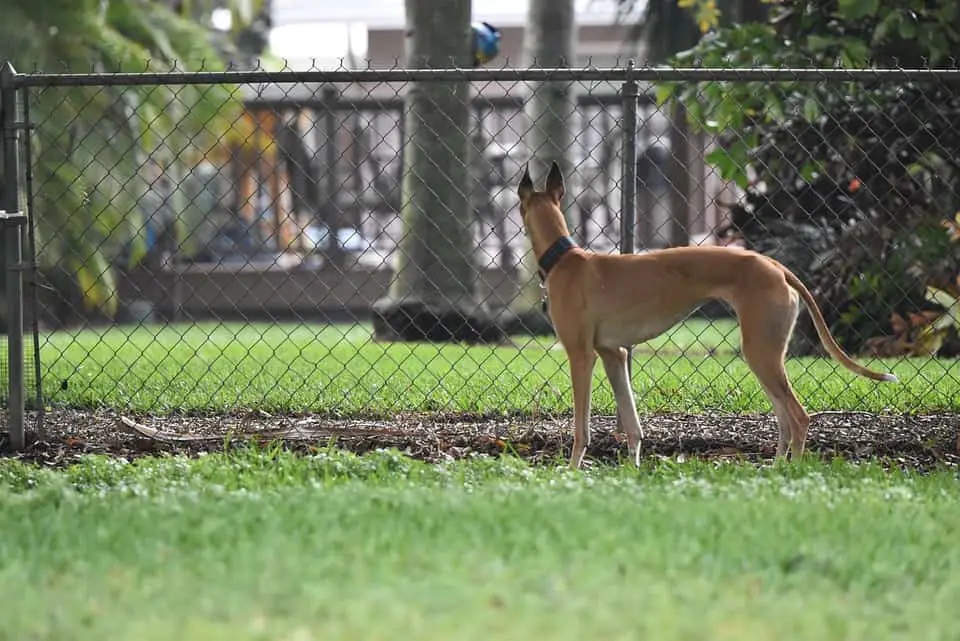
(905, 441)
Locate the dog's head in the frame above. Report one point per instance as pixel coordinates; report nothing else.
(540, 206)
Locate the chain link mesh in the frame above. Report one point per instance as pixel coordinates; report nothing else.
(217, 247)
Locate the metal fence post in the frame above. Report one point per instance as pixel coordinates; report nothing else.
(628, 175)
(30, 238)
(12, 221)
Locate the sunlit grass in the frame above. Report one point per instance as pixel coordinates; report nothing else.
(268, 545)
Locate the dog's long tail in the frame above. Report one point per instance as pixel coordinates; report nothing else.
(824, 332)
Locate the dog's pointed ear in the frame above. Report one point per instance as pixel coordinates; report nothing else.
(555, 182)
(526, 183)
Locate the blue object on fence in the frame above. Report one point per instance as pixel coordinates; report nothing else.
(486, 42)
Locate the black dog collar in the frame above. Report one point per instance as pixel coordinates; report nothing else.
(554, 253)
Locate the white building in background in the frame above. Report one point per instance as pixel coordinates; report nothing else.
(322, 33)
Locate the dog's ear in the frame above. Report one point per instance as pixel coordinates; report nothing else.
(526, 184)
(555, 182)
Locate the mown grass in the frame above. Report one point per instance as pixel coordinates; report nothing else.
(261, 544)
(338, 369)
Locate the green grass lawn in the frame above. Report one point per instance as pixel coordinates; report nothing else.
(267, 545)
(338, 369)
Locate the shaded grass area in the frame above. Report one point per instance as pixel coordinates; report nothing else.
(262, 544)
(339, 370)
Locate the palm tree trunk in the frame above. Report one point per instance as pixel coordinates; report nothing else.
(548, 41)
(433, 295)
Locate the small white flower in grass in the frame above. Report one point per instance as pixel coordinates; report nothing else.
(790, 491)
(899, 492)
(692, 486)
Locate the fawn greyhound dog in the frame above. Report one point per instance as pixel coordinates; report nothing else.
(600, 303)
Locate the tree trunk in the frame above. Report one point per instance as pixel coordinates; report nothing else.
(548, 42)
(433, 295)
(680, 200)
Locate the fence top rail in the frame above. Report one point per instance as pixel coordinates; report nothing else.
(347, 103)
(13, 80)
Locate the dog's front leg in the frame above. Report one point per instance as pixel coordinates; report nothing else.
(615, 365)
(581, 374)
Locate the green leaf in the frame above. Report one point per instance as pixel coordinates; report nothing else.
(884, 28)
(907, 28)
(855, 53)
(133, 21)
(695, 115)
(914, 169)
(811, 109)
(723, 162)
(774, 107)
(817, 43)
(810, 170)
(665, 91)
(858, 9)
(732, 161)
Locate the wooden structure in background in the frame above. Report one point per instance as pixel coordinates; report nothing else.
(303, 155)
(253, 159)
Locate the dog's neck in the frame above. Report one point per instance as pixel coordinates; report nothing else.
(550, 239)
(553, 255)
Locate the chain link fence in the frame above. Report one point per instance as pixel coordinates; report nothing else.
(349, 242)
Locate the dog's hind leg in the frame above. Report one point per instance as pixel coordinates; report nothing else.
(615, 364)
(582, 363)
(765, 331)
